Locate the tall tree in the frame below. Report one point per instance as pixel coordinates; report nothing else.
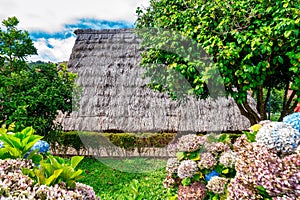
(15, 45)
(30, 94)
(255, 45)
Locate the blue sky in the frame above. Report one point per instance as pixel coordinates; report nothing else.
(51, 23)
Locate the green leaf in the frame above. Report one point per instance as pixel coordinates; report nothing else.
(280, 59)
(194, 156)
(198, 176)
(263, 191)
(71, 184)
(27, 131)
(287, 33)
(47, 168)
(41, 179)
(250, 136)
(55, 163)
(36, 158)
(173, 197)
(186, 181)
(76, 174)
(75, 160)
(215, 197)
(225, 171)
(53, 177)
(180, 155)
(28, 172)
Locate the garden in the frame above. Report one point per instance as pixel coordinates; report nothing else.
(255, 48)
(263, 163)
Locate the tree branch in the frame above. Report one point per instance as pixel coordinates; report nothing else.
(261, 103)
(286, 109)
(267, 98)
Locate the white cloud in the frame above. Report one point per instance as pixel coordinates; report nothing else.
(50, 16)
(54, 50)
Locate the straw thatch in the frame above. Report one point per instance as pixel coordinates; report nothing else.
(115, 97)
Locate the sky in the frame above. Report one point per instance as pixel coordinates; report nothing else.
(51, 23)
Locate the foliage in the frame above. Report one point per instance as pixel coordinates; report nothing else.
(30, 95)
(19, 186)
(253, 44)
(111, 184)
(66, 140)
(19, 144)
(126, 141)
(15, 46)
(56, 170)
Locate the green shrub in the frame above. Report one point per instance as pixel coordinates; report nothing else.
(18, 145)
(127, 141)
(55, 170)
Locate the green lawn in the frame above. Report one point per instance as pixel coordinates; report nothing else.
(130, 183)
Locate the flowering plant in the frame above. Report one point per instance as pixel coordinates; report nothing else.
(293, 119)
(15, 185)
(19, 144)
(41, 145)
(262, 174)
(202, 167)
(279, 136)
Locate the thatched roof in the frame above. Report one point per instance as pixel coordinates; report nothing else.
(115, 97)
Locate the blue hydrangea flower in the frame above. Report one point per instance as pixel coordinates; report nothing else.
(293, 119)
(43, 146)
(279, 136)
(210, 175)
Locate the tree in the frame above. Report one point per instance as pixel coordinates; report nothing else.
(255, 45)
(30, 94)
(15, 45)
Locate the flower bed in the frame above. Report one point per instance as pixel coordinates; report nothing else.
(28, 171)
(262, 164)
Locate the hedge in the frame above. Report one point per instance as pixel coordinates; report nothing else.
(127, 141)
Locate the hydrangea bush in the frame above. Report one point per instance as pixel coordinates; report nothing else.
(293, 120)
(41, 145)
(201, 168)
(279, 136)
(16, 184)
(262, 174)
(261, 164)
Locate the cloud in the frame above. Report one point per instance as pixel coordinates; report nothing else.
(51, 16)
(53, 50)
(51, 23)
(57, 46)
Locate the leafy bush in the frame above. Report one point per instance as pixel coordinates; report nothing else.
(56, 170)
(128, 141)
(19, 144)
(30, 95)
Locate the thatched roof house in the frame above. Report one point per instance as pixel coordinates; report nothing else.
(115, 97)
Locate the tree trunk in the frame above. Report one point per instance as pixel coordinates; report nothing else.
(288, 109)
(248, 112)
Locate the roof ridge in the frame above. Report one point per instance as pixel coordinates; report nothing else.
(103, 31)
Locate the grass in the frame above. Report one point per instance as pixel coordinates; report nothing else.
(120, 179)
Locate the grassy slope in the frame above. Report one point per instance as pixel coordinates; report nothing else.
(110, 183)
